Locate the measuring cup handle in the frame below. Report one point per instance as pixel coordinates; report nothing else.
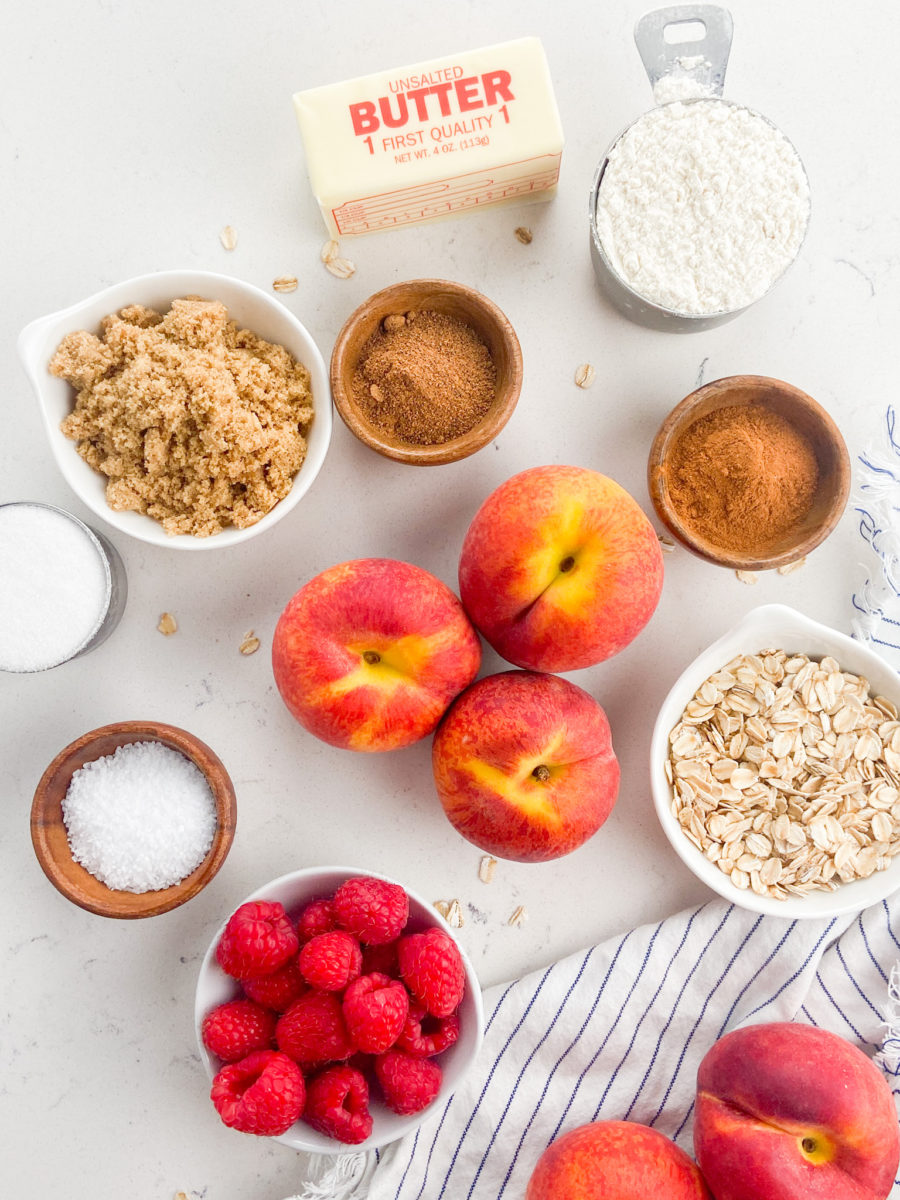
(704, 59)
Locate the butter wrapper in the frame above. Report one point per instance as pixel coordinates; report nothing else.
(431, 140)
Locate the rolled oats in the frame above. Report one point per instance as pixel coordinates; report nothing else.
(785, 773)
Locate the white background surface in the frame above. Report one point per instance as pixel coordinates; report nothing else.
(130, 134)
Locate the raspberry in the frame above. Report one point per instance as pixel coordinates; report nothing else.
(312, 1031)
(433, 971)
(372, 909)
(331, 960)
(408, 1084)
(375, 1009)
(263, 1093)
(236, 1029)
(338, 1105)
(258, 938)
(381, 960)
(317, 917)
(279, 990)
(423, 1036)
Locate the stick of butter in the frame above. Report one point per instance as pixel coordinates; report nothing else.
(442, 137)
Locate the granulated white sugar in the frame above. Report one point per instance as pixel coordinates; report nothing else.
(52, 587)
(139, 819)
(702, 206)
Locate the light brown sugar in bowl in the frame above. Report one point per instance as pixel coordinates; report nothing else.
(194, 421)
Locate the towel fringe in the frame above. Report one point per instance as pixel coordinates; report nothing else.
(345, 1177)
(888, 1057)
(877, 507)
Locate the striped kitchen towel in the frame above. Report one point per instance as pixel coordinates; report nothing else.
(618, 1031)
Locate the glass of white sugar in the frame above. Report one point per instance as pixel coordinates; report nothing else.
(62, 587)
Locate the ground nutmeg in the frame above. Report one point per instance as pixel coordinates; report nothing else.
(424, 378)
(742, 477)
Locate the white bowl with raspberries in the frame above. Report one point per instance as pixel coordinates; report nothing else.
(335, 1010)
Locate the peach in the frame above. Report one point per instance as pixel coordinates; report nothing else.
(788, 1110)
(369, 654)
(524, 765)
(560, 569)
(615, 1160)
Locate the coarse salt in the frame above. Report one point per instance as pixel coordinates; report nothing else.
(53, 594)
(139, 819)
(702, 206)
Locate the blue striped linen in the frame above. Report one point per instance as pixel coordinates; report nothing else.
(618, 1031)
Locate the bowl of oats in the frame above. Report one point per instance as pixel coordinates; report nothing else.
(185, 408)
(775, 768)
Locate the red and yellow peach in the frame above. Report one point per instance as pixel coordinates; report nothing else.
(786, 1110)
(615, 1160)
(524, 765)
(369, 654)
(560, 569)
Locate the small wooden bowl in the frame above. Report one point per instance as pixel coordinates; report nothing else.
(51, 844)
(434, 295)
(803, 412)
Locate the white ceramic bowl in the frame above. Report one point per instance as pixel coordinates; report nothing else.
(778, 627)
(247, 305)
(214, 987)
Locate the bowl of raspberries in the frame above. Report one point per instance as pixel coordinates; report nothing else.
(335, 1008)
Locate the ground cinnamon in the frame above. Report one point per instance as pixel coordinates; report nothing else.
(424, 378)
(742, 477)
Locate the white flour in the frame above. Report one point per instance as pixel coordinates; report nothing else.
(702, 206)
(678, 86)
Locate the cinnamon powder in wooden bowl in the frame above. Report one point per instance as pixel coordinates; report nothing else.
(749, 472)
(426, 372)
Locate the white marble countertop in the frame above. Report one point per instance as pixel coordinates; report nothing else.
(129, 135)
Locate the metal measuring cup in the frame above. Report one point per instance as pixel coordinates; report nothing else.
(703, 61)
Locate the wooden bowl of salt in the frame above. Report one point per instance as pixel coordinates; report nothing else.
(50, 837)
(397, 310)
(749, 472)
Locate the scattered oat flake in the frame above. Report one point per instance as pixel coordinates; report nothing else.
(181, 1196)
(746, 576)
(791, 566)
(285, 283)
(228, 237)
(524, 235)
(167, 624)
(330, 251)
(442, 906)
(250, 644)
(341, 268)
(454, 915)
(486, 868)
(665, 544)
(585, 375)
(519, 917)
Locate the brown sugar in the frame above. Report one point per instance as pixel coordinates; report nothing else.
(742, 477)
(424, 378)
(194, 421)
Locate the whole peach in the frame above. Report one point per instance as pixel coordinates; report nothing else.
(615, 1160)
(560, 569)
(524, 765)
(369, 654)
(786, 1111)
